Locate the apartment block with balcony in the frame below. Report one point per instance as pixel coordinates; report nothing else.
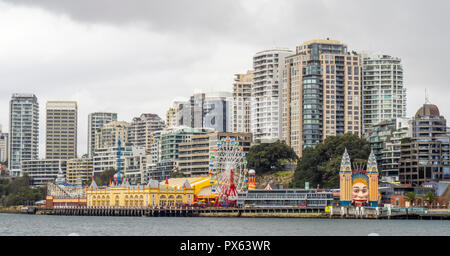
(3, 146)
(194, 154)
(385, 142)
(96, 121)
(425, 157)
(383, 92)
(43, 171)
(61, 130)
(212, 110)
(135, 167)
(23, 131)
(79, 169)
(168, 149)
(105, 158)
(265, 97)
(110, 134)
(141, 128)
(321, 94)
(242, 91)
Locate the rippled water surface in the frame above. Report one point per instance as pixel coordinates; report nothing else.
(45, 225)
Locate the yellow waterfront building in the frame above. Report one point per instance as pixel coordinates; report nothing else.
(172, 192)
(151, 195)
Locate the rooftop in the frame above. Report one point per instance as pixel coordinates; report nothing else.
(428, 110)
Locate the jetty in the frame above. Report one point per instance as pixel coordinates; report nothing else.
(183, 211)
(252, 212)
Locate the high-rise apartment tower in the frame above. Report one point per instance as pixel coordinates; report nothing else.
(141, 128)
(61, 130)
(95, 122)
(265, 104)
(383, 93)
(242, 92)
(23, 131)
(321, 94)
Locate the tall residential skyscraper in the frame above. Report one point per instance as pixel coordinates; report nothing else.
(61, 130)
(207, 110)
(23, 131)
(265, 104)
(383, 93)
(242, 92)
(321, 94)
(141, 128)
(96, 121)
(3, 145)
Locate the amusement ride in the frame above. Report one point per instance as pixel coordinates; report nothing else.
(227, 171)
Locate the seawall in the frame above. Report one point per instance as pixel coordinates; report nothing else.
(264, 215)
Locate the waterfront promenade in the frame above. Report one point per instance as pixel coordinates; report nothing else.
(256, 212)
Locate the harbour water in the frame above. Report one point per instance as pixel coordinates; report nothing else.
(48, 225)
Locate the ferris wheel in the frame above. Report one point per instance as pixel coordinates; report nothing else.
(227, 171)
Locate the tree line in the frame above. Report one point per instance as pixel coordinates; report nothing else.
(318, 165)
(17, 191)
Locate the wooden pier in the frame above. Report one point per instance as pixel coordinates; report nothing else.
(258, 212)
(388, 213)
(183, 212)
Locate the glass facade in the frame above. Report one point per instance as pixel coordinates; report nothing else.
(23, 130)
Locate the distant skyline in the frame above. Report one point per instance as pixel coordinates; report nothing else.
(138, 57)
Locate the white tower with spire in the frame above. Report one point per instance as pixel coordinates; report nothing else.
(60, 178)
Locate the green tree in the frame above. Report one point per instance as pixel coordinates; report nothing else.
(266, 157)
(18, 183)
(176, 174)
(320, 165)
(430, 198)
(19, 192)
(104, 177)
(411, 197)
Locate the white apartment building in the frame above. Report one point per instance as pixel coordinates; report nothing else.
(105, 158)
(135, 167)
(207, 110)
(383, 92)
(265, 103)
(23, 131)
(43, 171)
(172, 114)
(96, 121)
(3, 146)
(391, 152)
(153, 157)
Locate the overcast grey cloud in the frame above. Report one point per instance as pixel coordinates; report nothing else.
(137, 56)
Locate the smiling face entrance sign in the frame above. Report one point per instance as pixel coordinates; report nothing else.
(358, 187)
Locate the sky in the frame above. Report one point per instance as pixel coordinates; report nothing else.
(138, 56)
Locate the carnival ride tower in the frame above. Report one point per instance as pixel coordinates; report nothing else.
(372, 173)
(251, 179)
(345, 174)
